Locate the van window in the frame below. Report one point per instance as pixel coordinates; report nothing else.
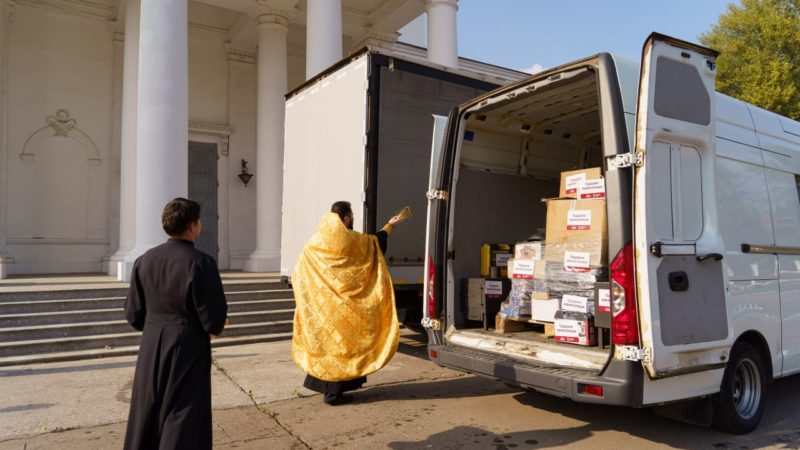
(680, 92)
(678, 192)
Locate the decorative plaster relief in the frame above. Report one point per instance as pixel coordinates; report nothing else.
(61, 125)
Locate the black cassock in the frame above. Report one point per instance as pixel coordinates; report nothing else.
(176, 299)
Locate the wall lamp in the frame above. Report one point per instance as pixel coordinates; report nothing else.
(245, 176)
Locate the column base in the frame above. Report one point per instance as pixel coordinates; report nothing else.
(111, 264)
(6, 266)
(263, 261)
(125, 264)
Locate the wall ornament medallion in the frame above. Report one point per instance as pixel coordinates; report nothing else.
(61, 125)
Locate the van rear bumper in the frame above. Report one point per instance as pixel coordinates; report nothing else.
(621, 381)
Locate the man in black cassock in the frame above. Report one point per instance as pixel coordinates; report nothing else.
(176, 299)
(335, 390)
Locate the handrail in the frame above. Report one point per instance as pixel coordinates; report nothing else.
(770, 249)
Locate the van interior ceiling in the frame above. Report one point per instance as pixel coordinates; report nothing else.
(510, 159)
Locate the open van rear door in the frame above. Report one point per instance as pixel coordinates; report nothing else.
(680, 281)
(435, 195)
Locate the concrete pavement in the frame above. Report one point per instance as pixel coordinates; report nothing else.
(260, 404)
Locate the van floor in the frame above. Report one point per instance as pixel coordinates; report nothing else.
(532, 346)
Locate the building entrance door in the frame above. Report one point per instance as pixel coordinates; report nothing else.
(203, 189)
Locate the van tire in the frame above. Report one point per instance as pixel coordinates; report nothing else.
(740, 404)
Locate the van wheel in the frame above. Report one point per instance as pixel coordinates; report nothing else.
(741, 399)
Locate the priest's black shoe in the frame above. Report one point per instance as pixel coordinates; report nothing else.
(337, 399)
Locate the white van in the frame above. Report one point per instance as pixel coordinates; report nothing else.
(703, 221)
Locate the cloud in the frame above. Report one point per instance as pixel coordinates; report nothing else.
(532, 69)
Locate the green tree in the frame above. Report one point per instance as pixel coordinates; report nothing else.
(759, 42)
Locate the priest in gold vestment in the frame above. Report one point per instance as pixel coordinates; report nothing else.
(345, 323)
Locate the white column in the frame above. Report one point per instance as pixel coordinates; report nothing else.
(127, 178)
(442, 34)
(323, 35)
(162, 136)
(6, 19)
(273, 26)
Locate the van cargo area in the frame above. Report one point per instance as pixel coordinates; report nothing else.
(529, 168)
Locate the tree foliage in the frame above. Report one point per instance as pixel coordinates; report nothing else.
(759, 41)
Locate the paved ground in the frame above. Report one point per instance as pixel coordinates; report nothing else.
(259, 403)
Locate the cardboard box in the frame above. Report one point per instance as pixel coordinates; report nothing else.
(577, 233)
(571, 181)
(544, 310)
(540, 290)
(529, 250)
(602, 298)
(485, 295)
(575, 328)
(577, 303)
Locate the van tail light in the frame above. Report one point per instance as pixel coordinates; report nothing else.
(430, 310)
(624, 325)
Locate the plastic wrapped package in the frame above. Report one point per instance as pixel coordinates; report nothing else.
(518, 304)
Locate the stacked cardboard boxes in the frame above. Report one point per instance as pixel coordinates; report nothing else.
(576, 253)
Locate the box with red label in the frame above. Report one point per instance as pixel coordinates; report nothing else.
(576, 233)
(575, 328)
(573, 180)
(602, 298)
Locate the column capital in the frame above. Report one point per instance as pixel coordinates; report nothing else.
(451, 3)
(276, 12)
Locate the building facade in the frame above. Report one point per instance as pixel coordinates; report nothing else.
(110, 108)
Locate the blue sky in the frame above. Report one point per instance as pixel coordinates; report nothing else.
(521, 34)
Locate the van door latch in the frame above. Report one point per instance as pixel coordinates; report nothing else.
(436, 194)
(632, 353)
(626, 160)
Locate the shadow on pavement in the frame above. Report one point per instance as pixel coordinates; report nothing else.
(28, 407)
(780, 426)
(461, 387)
(50, 370)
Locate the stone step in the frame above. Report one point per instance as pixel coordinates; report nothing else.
(78, 304)
(64, 330)
(129, 350)
(60, 294)
(99, 342)
(109, 314)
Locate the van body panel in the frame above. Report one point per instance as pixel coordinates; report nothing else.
(684, 322)
(683, 387)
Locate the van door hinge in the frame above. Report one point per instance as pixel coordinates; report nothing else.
(626, 160)
(435, 194)
(632, 353)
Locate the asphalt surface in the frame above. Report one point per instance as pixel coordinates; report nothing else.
(259, 403)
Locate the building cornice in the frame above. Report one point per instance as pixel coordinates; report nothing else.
(240, 55)
(75, 7)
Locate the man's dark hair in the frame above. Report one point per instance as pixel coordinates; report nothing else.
(179, 214)
(342, 208)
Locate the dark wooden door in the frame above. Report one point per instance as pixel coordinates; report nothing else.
(203, 189)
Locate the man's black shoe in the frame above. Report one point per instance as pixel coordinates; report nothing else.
(337, 399)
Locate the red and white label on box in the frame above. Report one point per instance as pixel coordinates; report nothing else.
(579, 219)
(523, 268)
(493, 288)
(574, 182)
(576, 303)
(501, 259)
(574, 331)
(577, 261)
(604, 300)
(590, 189)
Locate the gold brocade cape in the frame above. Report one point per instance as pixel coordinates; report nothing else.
(345, 323)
